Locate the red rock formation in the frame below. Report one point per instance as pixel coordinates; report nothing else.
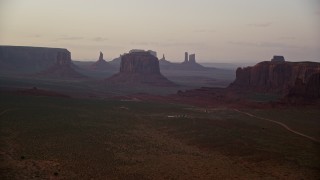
(140, 68)
(274, 76)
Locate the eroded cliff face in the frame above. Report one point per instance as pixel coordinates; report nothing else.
(310, 89)
(139, 62)
(274, 77)
(140, 68)
(313, 86)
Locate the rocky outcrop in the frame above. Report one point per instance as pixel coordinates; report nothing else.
(140, 68)
(190, 63)
(100, 56)
(274, 76)
(277, 59)
(101, 64)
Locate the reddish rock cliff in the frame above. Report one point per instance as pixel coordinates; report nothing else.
(310, 89)
(278, 77)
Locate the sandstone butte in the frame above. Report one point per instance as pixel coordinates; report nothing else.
(140, 68)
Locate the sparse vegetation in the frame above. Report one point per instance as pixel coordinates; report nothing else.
(79, 138)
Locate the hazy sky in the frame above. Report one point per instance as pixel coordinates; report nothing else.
(216, 30)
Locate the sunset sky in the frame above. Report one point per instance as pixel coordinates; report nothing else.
(216, 30)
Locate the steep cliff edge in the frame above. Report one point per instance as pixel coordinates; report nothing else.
(276, 77)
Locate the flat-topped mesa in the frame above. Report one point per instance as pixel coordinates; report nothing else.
(139, 62)
(29, 60)
(274, 77)
(140, 67)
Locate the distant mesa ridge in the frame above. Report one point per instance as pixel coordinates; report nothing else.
(24, 59)
(39, 61)
(140, 67)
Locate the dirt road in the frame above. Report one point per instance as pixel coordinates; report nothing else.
(282, 125)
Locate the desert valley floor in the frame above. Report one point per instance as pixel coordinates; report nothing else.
(65, 138)
(137, 117)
